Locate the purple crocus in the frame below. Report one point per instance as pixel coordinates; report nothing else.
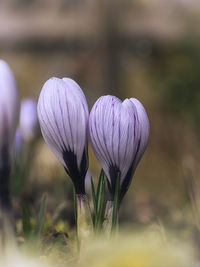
(18, 143)
(63, 117)
(8, 123)
(28, 120)
(119, 134)
(8, 107)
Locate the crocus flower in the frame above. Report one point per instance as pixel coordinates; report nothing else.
(63, 117)
(119, 134)
(28, 120)
(8, 107)
(18, 143)
(8, 123)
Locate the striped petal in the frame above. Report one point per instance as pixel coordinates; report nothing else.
(118, 132)
(144, 126)
(63, 116)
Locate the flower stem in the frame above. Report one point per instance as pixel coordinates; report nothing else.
(5, 202)
(110, 224)
(6, 230)
(84, 219)
(107, 224)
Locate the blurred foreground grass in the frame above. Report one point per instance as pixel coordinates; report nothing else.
(130, 249)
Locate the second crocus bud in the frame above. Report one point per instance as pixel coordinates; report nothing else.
(119, 134)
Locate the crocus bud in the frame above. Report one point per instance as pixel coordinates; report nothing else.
(28, 120)
(63, 117)
(8, 123)
(119, 134)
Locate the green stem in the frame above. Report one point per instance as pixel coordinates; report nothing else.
(84, 219)
(6, 230)
(5, 202)
(111, 220)
(110, 224)
(107, 224)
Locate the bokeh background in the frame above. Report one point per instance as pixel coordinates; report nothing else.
(129, 48)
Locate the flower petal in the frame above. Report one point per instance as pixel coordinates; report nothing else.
(8, 106)
(63, 115)
(28, 119)
(118, 137)
(144, 126)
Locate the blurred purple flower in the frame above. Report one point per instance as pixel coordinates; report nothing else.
(63, 116)
(8, 123)
(119, 134)
(28, 120)
(18, 144)
(8, 109)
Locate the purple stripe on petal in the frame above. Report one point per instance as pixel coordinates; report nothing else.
(97, 133)
(51, 127)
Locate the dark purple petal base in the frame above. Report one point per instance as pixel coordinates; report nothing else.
(77, 176)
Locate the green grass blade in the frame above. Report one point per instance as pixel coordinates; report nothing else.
(26, 224)
(101, 177)
(94, 199)
(75, 206)
(98, 198)
(116, 204)
(101, 203)
(41, 215)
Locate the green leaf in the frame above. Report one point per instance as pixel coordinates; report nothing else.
(98, 201)
(94, 198)
(116, 204)
(101, 202)
(101, 176)
(41, 215)
(75, 206)
(26, 224)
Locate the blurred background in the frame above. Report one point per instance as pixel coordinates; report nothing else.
(144, 49)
